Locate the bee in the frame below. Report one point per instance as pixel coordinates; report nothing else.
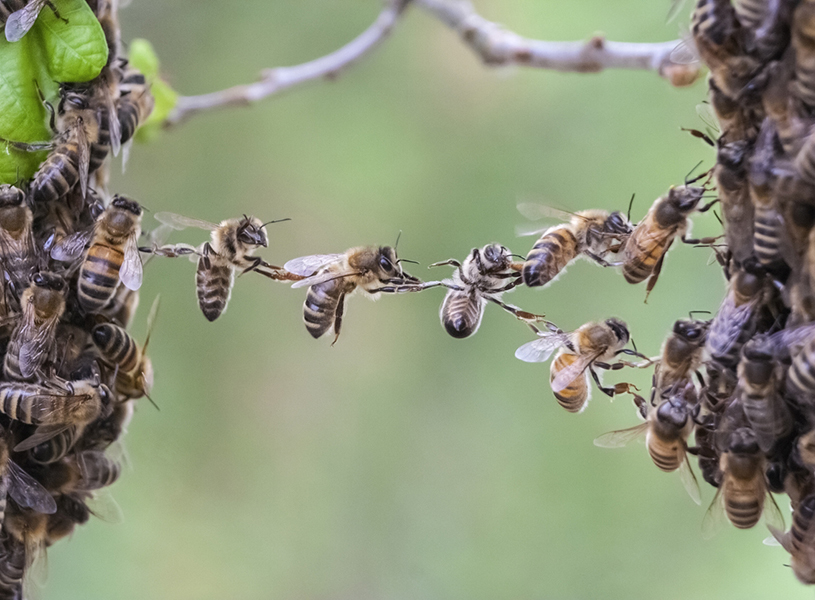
(18, 253)
(590, 233)
(112, 254)
(768, 25)
(763, 405)
(590, 346)
(484, 276)
(666, 430)
(705, 448)
(801, 375)
(134, 370)
(12, 567)
(22, 487)
(799, 541)
(24, 15)
(681, 353)
(645, 249)
(233, 243)
(101, 433)
(803, 41)
(57, 447)
(32, 341)
(736, 121)
(768, 226)
(734, 193)
(332, 277)
(70, 512)
(720, 41)
(776, 102)
(742, 493)
(29, 528)
(135, 103)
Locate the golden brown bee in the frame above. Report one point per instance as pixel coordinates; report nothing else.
(18, 254)
(135, 103)
(763, 405)
(112, 254)
(803, 41)
(332, 277)
(29, 528)
(593, 234)
(742, 493)
(484, 276)
(666, 430)
(591, 345)
(23, 15)
(720, 41)
(233, 243)
(645, 249)
(22, 487)
(32, 341)
(681, 353)
(799, 541)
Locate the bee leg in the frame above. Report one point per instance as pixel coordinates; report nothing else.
(600, 261)
(56, 12)
(205, 256)
(707, 206)
(338, 318)
(706, 241)
(606, 390)
(652, 280)
(255, 262)
(522, 314)
(451, 261)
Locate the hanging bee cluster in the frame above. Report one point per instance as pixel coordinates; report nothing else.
(71, 270)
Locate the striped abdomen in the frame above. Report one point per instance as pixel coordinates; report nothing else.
(751, 12)
(117, 346)
(11, 362)
(98, 471)
(101, 147)
(643, 249)
(214, 285)
(461, 313)
(801, 375)
(575, 395)
(767, 235)
(99, 276)
(57, 447)
(802, 522)
(12, 568)
(134, 108)
(667, 455)
(803, 39)
(36, 405)
(320, 307)
(555, 249)
(57, 174)
(743, 501)
(767, 414)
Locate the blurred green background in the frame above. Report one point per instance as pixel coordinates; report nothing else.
(402, 463)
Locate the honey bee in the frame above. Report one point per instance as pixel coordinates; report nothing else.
(32, 341)
(57, 447)
(776, 102)
(736, 121)
(768, 225)
(112, 254)
(803, 41)
(720, 41)
(666, 430)
(24, 15)
(135, 103)
(734, 193)
(801, 375)
(799, 541)
(12, 567)
(768, 23)
(18, 254)
(134, 370)
(590, 233)
(102, 432)
(681, 353)
(742, 495)
(332, 277)
(29, 528)
(233, 243)
(22, 487)
(484, 276)
(70, 512)
(590, 346)
(763, 405)
(705, 448)
(645, 249)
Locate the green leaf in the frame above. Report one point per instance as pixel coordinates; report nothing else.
(75, 51)
(143, 57)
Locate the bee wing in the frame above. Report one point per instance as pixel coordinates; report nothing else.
(705, 112)
(534, 212)
(113, 124)
(714, 518)
(179, 222)
(42, 434)
(690, 482)
(71, 247)
(322, 278)
(621, 437)
(27, 491)
(103, 506)
(527, 230)
(84, 161)
(34, 349)
(772, 514)
(685, 52)
(132, 270)
(309, 265)
(567, 375)
(541, 349)
(731, 327)
(20, 21)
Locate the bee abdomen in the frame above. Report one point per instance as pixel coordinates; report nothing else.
(100, 471)
(99, 277)
(549, 256)
(57, 175)
(743, 510)
(12, 568)
(101, 148)
(214, 286)
(801, 375)
(665, 461)
(575, 395)
(640, 261)
(461, 314)
(117, 346)
(320, 308)
(767, 236)
(57, 447)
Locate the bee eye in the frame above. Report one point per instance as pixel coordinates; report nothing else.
(37, 279)
(385, 264)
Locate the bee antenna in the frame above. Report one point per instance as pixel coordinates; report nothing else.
(687, 177)
(630, 204)
(693, 312)
(144, 208)
(718, 218)
(634, 344)
(398, 237)
(407, 260)
(146, 395)
(521, 256)
(275, 221)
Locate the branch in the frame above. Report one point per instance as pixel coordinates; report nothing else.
(498, 46)
(279, 79)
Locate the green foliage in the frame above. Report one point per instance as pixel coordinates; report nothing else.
(52, 51)
(143, 57)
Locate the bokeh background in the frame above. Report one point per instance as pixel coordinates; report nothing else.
(402, 463)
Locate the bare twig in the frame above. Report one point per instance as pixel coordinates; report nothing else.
(274, 81)
(499, 46)
(494, 44)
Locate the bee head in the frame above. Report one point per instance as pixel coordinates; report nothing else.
(691, 330)
(743, 441)
(617, 223)
(620, 329)
(72, 99)
(49, 281)
(673, 412)
(757, 362)
(495, 255)
(127, 204)
(387, 262)
(11, 196)
(252, 232)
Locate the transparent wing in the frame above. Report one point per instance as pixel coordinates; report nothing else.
(132, 270)
(179, 222)
(113, 124)
(621, 437)
(42, 434)
(103, 506)
(714, 518)
(729, 324)
(34, 350)
(71, 247)
(20, 21)
(84, 161)
(779, 539)
(534, 211)
(322, 278)
(689, 481)
(770, 541)
(571, 372)
(27, 491)
(676, 8)
(528, 229)
(541, 349)
(685, 52)
(772, 514)
(309, 265)
(708, 116)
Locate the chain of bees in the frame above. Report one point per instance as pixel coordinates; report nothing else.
(740, 384)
